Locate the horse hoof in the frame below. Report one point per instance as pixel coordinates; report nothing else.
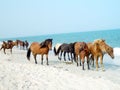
(59, 58)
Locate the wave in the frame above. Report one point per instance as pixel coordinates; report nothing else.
(117, 51)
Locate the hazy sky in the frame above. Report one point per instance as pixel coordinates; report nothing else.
(38, 17)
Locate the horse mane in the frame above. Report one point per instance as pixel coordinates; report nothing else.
(98, 41)
(43, 44)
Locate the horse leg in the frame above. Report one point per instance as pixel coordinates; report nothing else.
(11, 50)
(71, 57)
(47, 59)
(96, 58)
(80, 59)
(35, 59)
(64, 56)
(42, 59)
(88, 62)
(76, 59)
(4, 51)
(68, 57)
(92, 57)
(74, 56)
(83, 63)
(101, 62)
(60, 55)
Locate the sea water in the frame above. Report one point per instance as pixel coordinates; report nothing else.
(112, 37)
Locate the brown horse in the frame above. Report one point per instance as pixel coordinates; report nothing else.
(81, 50)
(8, 45)
(21, 44)
(42, 48)
(98, 49)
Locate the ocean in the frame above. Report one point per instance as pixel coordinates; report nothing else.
(112, 37)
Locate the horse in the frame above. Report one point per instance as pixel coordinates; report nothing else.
(42, 49)
(26, 44)
(98, 49)
(56, 48)
(91, 57)
(65, 48)
(8, 45)
(21, 44)
(81, 50)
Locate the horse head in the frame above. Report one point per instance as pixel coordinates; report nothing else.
(104, 47)
(110, 51)
(46, 43)
(4, 43)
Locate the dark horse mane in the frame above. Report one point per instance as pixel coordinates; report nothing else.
(44, 43)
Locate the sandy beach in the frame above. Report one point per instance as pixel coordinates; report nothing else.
(17, 73)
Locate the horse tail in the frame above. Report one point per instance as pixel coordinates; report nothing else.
(1, 48)
(74, 54)
(58, 50)
(55, 52)
(28, 54)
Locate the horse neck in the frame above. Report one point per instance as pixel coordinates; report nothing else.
(103, 48)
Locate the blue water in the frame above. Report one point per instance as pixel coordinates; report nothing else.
(112, 37)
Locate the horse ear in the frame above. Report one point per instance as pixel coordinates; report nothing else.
(103, 40)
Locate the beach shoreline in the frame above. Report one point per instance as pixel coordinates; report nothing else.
(17, 73)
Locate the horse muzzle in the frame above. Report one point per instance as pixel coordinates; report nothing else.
(113, 57)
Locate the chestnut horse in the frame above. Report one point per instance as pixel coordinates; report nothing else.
(8, 45)
(81, 50)
(98, 49)
(42, 48)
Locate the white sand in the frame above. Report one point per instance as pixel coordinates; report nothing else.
(17, 73)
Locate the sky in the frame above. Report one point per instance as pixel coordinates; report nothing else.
(19, 18)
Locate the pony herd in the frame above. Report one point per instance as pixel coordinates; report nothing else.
(79, 51)
(10, 44)
(85, 51)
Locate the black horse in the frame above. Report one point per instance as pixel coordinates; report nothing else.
(65, 48)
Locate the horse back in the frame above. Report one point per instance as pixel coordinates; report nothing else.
(36, 48)
(94, 48)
